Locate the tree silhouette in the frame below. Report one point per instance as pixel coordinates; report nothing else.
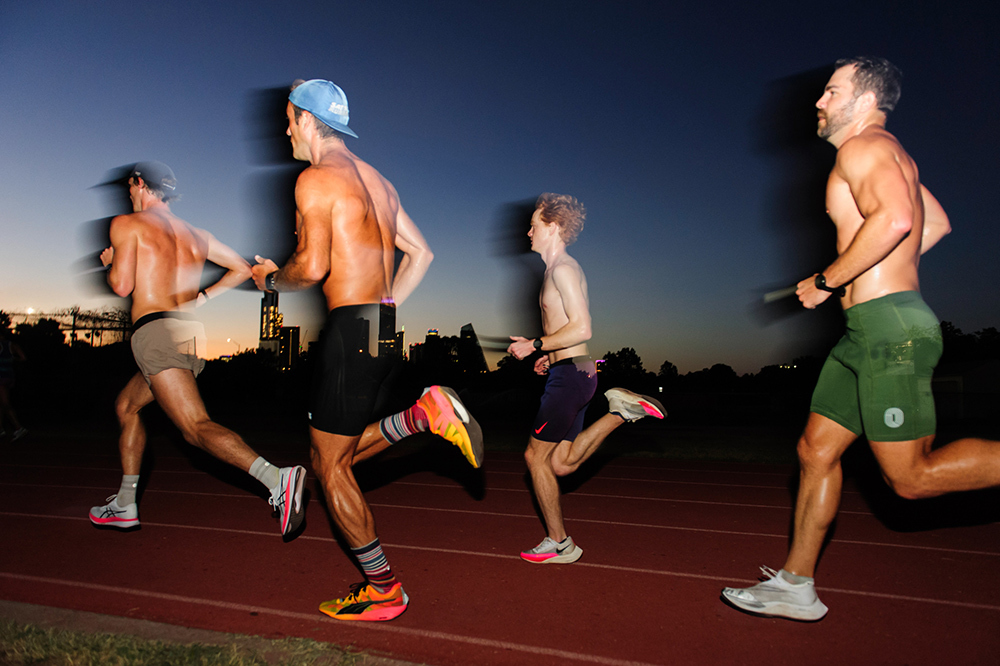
(625, 362)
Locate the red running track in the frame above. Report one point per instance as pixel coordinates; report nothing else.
(660, 540)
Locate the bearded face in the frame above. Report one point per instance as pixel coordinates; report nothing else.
(832, 120)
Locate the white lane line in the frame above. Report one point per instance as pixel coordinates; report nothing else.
(493, 472)
(486, 471)
(627, 497)
(318, 617)
(693, 470)
(852, 542)
(681, 483)
(452, 486)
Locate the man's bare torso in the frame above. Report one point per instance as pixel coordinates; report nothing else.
(361, 208)
(898, 270)
(168, 254)
(554, 315)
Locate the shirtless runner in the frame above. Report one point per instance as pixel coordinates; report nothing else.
(158, 258)
(349, 223)
(877, 379)
(559, 444)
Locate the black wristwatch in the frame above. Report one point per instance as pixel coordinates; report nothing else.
(821, 284)
(269, 281)
(537, 344)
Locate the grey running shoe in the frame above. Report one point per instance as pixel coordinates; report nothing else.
(776, 597)
(550, 551)
(286, 498)
(18, 434)
(112, 515)
(632, 406)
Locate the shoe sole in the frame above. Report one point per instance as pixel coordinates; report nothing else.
(651, 406)
(295, 516)
(475, 433)
(812, 613)
(114, 524)
(557, 559)
(375, 615)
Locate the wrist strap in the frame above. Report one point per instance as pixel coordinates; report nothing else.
(820, 283)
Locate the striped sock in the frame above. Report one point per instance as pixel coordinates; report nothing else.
(375, 566)
(404, 424)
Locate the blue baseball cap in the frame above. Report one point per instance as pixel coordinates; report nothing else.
(157, 175)
(326, 101)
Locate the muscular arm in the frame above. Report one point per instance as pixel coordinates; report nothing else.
(936, 224)
(238, 270)
(310, 262)
(121, 256)
(882, 194)
(417, 257)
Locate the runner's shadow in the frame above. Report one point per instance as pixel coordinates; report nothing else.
(423, 452)
(960, 509)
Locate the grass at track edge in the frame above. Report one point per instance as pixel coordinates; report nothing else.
(43, 636)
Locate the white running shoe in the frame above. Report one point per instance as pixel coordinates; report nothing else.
(776, 597)
(286, 498)
(112, 515)
(632, 406)
(550, 551)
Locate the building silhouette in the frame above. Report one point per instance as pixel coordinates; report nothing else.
(462, 352)
(270, 323)
(288, 347)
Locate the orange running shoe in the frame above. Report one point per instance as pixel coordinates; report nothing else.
(366, 603)
(451, 420)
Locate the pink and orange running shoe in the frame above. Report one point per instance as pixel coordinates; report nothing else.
(368, 604)
(450, 419)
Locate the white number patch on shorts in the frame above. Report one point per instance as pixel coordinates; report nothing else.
(894, 417)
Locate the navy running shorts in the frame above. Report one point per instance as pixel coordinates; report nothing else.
(568, 391)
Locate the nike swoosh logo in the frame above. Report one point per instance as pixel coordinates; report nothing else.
(561, 550)
(541, 427)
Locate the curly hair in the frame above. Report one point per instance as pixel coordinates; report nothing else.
(563, 211)
(877, 75)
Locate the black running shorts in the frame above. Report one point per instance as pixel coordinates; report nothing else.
(350, 382)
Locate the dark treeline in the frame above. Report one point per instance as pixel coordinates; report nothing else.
(60, 384)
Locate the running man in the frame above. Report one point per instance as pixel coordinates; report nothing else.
(559, 444)
(877, 379)
(349, 223)
(158, 258)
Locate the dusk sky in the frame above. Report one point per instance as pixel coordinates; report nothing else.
(670, 123)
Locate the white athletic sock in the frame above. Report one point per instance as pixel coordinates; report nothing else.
(265, 472)
(126, 494)
(793, 579)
